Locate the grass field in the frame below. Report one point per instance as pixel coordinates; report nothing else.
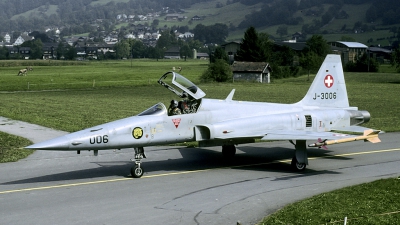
(371, 203)
(62, 96)
(10, 148)
(52, 94)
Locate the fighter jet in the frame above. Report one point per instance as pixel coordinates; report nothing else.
(321, 116)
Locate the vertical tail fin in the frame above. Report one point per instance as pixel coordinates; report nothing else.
(328, 88)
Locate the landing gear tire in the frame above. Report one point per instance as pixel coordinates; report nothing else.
(298, 166)
(228, 151)
(136, 171)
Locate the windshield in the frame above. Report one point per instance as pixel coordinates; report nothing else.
(180, 85)
(157, 109)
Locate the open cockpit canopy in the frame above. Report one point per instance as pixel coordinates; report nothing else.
(181, 86)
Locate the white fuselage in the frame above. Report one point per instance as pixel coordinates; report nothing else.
(215, 119)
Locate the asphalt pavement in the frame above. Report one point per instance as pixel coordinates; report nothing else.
(180, 185)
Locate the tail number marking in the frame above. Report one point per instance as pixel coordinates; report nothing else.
(324, 96)
(99, 139)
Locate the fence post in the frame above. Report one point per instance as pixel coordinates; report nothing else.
(94, 82)
(28, 85)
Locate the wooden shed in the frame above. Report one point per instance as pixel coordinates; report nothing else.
(251, 71)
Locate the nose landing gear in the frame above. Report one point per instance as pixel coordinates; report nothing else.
(137, 170)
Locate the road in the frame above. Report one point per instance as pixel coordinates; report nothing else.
(180, 185)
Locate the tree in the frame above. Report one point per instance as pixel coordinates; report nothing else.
(3, 53)
(138, 49)
(166, 40)
(395, 60)
(219, 53)
(36, 46)
(363, 64)
(155, 23)
(266, 45)
(154, 52)
(250, 48)
(216, 33)
(220, 71)
(70, 54)
(185, 51)
(42, 36)
(318, 45)
(122, 49)
(309, 61)
(60, 50)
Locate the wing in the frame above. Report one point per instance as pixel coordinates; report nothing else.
(303, 135)
(293, 134)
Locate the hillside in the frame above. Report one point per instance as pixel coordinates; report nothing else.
(359, 20)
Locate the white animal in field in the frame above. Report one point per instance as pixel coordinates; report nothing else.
(22, 72)
(179, 68)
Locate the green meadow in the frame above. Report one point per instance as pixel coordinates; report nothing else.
(71, 96)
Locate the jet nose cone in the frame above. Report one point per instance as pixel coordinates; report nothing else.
(60, 143)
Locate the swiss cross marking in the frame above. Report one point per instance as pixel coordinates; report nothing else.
(328, 81)
(176, 122)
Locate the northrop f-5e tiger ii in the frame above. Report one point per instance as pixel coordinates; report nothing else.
(322, 116)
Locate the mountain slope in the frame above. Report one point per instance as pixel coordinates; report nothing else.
(363, 20)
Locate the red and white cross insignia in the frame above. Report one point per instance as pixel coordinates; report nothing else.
(328, 81)
(176, 122)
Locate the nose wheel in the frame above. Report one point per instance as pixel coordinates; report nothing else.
(137, 170)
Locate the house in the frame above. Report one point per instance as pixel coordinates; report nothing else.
(298, 36)
(122, 17)
(200, 55)
(22, 38)
(111, 39)
(172, 53)
(295, 46)
(25, 52)
(129, 36)
(49, 50)
(251, 71)
(7, 38)
(231, 48)
(382, 55)
(104, 48)
(174, 17)
(19, 52)
(186, 35)
(349, 51)
(196, 17)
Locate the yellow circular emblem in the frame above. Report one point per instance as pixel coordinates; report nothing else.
(137, 132)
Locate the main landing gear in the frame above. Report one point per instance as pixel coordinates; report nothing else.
(137, 170)
(228, 151)
(300, 159)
